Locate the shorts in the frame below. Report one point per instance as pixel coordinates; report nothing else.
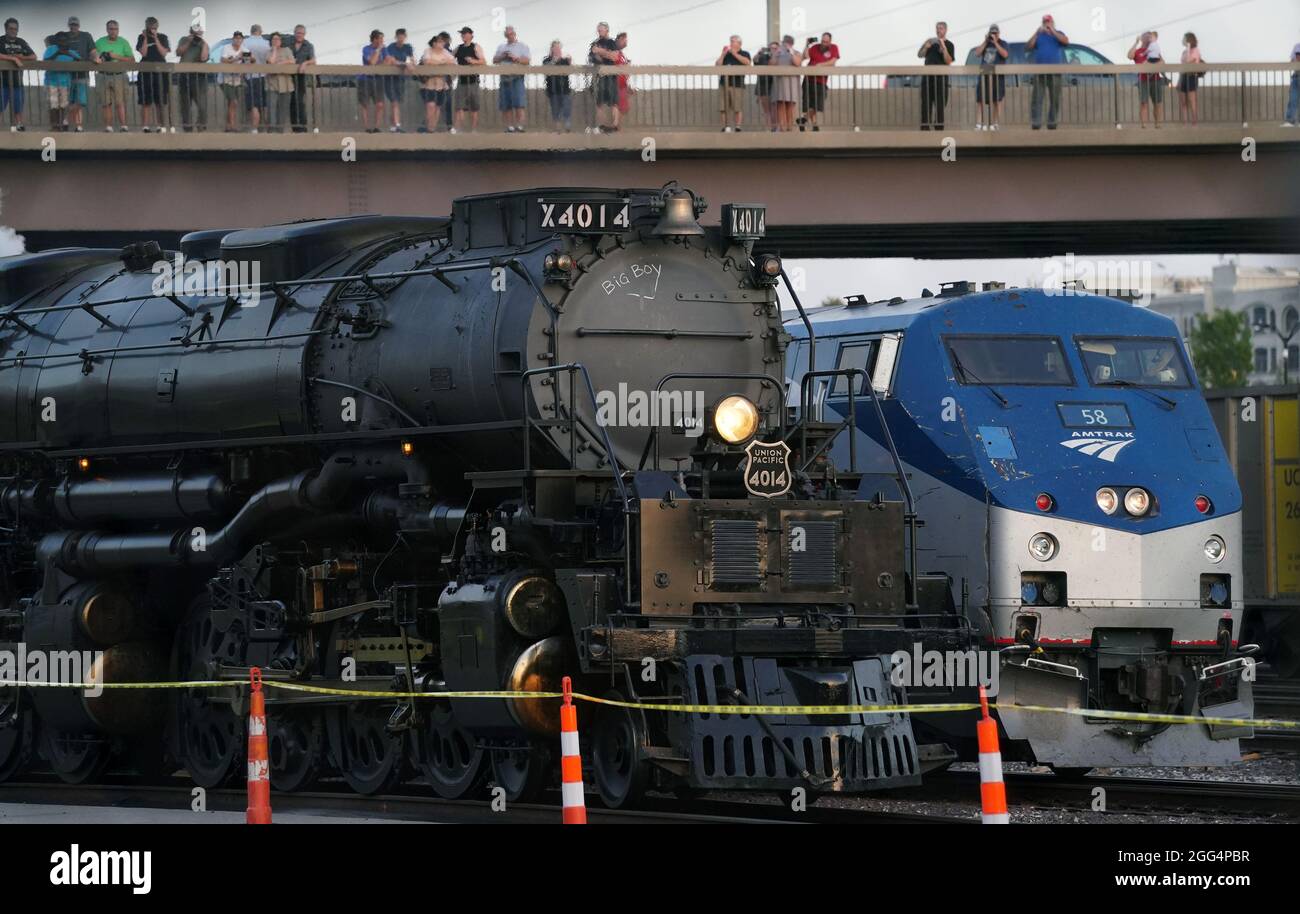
(437, 97)
(1152, 90)
(607, 90)
(395, 88)
(369, 89)
(113, 88)
(255, 94)
(153, 88)
(733, 99)
(1187, 82)
(231, 92)
(467, 96)
(511, 94)
(998, 85)
(58, 96)
(814, 95)
(12, 97)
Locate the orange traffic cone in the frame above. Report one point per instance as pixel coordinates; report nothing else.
(575, 805)
(993, 792)
(259, 764)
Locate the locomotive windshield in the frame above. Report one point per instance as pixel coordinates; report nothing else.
(1009, 360)
(1142, 361)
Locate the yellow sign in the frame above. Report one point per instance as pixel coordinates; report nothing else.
(1286, 494)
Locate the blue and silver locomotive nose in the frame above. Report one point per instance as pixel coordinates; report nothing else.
(1071, 482)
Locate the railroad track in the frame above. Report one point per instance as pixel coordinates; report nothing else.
(413, 806)
(1280, 801)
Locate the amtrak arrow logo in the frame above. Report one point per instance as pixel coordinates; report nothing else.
(1105, 449)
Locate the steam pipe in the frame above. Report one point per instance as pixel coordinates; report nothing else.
(99, 552)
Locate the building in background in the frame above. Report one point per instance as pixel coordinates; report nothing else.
(1268, 296)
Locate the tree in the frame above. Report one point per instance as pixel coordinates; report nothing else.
(832, 301)
(1221, 349)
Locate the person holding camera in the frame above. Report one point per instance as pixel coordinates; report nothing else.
(58, 83)
(938, 52)
(1151, 86)
(785, 89)
(1048, 47)
(153, 91)
(512, 100)
(821, 53)
(113, 48)
(991, 88)
(732, 88)
(559, 90)
(192, 49)
(1188, 82)
(232, 84)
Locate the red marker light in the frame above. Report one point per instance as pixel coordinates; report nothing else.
(1044, 502)
(1203, 504)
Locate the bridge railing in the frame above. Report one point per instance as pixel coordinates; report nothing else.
(347, 99)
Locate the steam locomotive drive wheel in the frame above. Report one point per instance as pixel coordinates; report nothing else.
(448, 755)
(17, 734)
(296, 746)
(210, 733)
(618, 760)
(369, 757)
(74, 757)
(522, 769)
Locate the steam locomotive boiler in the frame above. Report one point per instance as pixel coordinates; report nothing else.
(546, 436)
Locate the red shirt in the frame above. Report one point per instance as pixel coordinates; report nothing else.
(1140, 57)
(817, 54)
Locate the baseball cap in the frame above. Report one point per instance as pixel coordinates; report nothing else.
(994, 29)
(238, 34)
(73, 20)
(466, 29)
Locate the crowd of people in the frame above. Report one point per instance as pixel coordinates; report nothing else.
(279, 101)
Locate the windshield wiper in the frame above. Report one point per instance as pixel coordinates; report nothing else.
(967, 373)
(1124, 382)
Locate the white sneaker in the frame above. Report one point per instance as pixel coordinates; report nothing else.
(994, 127)
(171, 129)
(979, 126)
(254, 130)
(109, 128)
(13, 128)
(1287, 124)
(452, 130)
(126, 129)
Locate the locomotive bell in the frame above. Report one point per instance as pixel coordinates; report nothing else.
(678, 215)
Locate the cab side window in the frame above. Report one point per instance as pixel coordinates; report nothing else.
(853, 355)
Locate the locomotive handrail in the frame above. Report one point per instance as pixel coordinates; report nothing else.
(803, 315)
(374, 396)
(805, 411)
(900, 474)
(653, 438)
(571, 368)
(85, 354)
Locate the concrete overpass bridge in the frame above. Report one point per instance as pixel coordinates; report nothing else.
(869, 184)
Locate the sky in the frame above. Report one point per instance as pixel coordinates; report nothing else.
(690, 32)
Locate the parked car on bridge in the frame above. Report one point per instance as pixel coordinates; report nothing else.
(1075, 55)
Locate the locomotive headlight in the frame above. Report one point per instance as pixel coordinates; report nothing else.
(1215, 549)
(1137, 501)
(1107, 500)
(1043, 546)
(735, 419)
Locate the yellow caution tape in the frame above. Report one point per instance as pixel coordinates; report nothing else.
(679, 708)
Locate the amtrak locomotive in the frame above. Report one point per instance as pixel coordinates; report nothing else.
(1068, 477)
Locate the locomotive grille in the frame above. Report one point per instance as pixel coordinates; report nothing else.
(816, 564)
(735, 556)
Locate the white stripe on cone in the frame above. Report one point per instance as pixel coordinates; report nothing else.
(990, 767)
(569, 743)
(572, 793)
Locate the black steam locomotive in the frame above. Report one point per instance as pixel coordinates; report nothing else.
(544, 437)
